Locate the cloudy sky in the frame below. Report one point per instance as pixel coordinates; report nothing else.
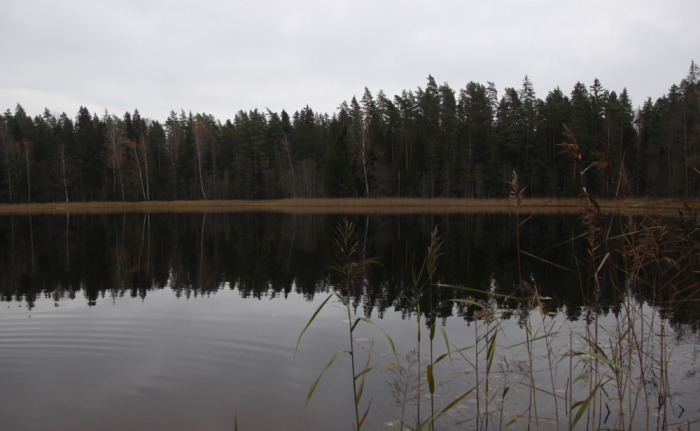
(223, 56)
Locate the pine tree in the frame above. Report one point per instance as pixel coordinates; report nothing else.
(337, 176)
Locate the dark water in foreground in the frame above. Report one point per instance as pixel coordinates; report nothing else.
(185, 321)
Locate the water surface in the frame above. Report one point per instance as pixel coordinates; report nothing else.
(185, 321)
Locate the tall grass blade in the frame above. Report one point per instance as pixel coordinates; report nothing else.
(485, 292)
(453, 403)
(362, 421)
(516, 418)
(318, 310)
(465, 301)
(447, 344)
(388, 337)
(612, 364)
(431, 379)
(386, 364)
(365, 369)
(583, 406)
(583, 376)
(318, 379)
(491, 353)
(432, 419)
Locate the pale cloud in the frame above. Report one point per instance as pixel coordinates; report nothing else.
(221, 57)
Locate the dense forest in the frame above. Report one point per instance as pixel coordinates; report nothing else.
(428, 142)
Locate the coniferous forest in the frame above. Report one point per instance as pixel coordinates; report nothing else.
(428, 142)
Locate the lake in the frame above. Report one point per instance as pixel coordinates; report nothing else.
(189, 321)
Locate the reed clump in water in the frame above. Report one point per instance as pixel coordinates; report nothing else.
(612, 371)
(350, 268)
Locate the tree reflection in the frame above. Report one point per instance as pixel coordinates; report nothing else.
(273, 255)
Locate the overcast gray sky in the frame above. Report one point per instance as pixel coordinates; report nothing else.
(223, 56)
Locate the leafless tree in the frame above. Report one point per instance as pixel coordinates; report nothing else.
(202, 138)
(27, 150)
(65, 168)
(173, 138)
(360, 136)
(140, 150)
(285, 142)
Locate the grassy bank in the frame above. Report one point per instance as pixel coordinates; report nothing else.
(355, 205)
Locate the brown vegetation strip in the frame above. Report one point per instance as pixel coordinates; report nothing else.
(353, 205)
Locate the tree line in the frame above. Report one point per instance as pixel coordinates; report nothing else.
(427, 142)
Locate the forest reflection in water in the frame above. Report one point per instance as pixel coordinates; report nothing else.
(162, 314)
(272, 254)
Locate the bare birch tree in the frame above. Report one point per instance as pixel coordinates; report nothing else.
(140, 150)
(285, 141)
(27, 150)
(173, 137)
(64, 167)
(202, 137)
(360, 136)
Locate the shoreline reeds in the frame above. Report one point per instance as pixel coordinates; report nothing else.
(613, 376)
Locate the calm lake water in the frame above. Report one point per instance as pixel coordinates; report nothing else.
(186, 321)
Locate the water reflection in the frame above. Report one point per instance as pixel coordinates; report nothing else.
(179, 364)
(273, 254)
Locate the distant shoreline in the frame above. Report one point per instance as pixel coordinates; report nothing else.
(355, 205)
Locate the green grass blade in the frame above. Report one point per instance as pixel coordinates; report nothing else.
(469, 289)
(388, 337)
(386, 364)
(515, 418)
(445, 410)
(583, 376)
(534, 388)
(546, 261)
(318, 310)
(491, 352)
(357, 320)
(431, 379)
(318, 379)
(531, 341)
(418, 321)
(453, 403)
(443, 356)
(465, 301)
(606, 360)
(358, 396)
(447, 343)
(583, 406)
(362, 421)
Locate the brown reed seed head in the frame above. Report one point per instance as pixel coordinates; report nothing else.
(593, 219)
(347, 263)
(433, 252)
(516, 193)
(571, 148)
(605, 163)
